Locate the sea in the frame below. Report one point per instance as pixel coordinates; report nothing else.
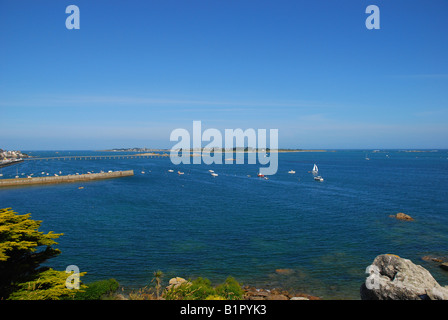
(288, 231)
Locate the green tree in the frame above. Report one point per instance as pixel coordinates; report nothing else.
(23, 248)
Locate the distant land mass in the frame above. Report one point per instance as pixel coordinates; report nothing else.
(236, 149)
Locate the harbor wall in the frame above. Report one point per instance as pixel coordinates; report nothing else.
(64, 179)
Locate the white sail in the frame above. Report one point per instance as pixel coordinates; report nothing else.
(315, 169)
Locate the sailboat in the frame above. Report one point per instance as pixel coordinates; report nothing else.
(315, 172)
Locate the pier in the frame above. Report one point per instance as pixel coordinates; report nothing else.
(93, 157)
(64, 179)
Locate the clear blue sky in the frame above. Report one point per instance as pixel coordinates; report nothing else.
(136, 70)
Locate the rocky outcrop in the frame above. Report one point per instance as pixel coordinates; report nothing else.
(176, 282)
(444, 266)
(251, 293)
(394, 278)
(443, 261)
(402, 216)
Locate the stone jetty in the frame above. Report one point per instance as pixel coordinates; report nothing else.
(64, 179)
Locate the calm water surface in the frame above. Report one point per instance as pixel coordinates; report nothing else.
(194, 224)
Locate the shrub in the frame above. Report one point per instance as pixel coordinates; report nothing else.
(98, 290)
(230, 289)
(201, 289)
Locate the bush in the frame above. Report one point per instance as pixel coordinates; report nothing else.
(98, 290)
(230, 289)
(201, 289)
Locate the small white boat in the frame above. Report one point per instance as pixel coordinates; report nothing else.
(315, 172)
(291, 171)
(180, 172)
(211, 171)
(170, 170)
(214, 174)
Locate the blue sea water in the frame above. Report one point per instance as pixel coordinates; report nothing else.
(325, 233)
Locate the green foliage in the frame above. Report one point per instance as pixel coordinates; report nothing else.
(98, 290)
(201, 289)
(47, 285)
(22, 249)
(230, 289)
(19, 236)
(215, 297)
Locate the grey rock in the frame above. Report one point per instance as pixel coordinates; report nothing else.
(395, 278)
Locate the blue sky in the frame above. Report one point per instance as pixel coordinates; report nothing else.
(136, 70)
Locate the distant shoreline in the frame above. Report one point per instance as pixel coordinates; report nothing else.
(151, 151)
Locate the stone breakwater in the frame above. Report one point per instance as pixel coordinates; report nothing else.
(64, 179)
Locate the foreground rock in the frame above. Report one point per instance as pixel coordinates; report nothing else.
(395, 278)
